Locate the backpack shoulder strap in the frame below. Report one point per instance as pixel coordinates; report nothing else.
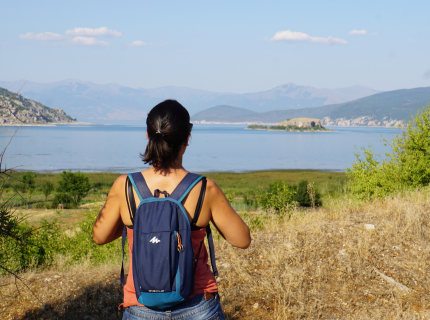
(185, 186)
(139, 184)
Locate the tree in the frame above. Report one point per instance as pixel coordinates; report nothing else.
(28, 179)
(279, 197)
(302, 195)
(72, 187)
(47, 188)
(407, 166)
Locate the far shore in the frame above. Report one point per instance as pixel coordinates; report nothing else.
(271, 124)
(51, 124)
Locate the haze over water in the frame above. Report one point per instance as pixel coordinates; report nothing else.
(213, 148)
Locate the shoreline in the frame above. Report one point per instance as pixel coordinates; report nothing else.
(51, 124)
(203, 172)
(270, 124)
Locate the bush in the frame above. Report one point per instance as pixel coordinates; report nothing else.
(279, 197)
(47, 188)
(28, 180)
(24, 247)
(302, 197)
(407, 166)
(72, 187)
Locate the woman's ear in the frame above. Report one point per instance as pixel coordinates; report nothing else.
(147, 137)
(188, 139)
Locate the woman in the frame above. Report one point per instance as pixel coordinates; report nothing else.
(168, 133)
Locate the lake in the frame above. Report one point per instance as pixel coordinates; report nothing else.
(213, 148)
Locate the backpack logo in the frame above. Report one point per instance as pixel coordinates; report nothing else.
(155, 240)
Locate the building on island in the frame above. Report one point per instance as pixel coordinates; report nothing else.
(302, 122)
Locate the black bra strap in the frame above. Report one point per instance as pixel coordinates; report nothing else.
(199, 203)
(131, 204)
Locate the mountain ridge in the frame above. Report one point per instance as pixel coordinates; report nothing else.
(97, 102)
(381, 109)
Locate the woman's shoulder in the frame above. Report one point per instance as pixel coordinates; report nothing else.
(119, 183)
(212, 189)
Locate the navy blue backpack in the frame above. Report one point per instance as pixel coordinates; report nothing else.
(163, 258)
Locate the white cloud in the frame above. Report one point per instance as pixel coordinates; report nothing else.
(96, 32)
(300, 36)
(44, 36)
(357, 32)
(137, 43)
(374, 33)
(89, 41)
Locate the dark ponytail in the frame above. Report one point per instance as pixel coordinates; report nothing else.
(168, 126)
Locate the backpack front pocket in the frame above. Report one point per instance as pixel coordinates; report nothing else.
(157, 252)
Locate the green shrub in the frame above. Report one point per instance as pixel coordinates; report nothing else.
(72, 187)
(302, 197)
(28, 180)
(407, 166)
(47, 188)
(23, 246)
(279, 197)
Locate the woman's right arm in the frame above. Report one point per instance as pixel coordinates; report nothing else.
(225, 219)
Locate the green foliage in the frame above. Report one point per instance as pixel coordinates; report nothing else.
(286, 128)
(406, 167)
(28, 180)
(44, 244)
(279, 197)
(47, 188)
(257, 126)
(251, 200)
(230, 196)
(277, 128)
(302, 197)
(72, 187)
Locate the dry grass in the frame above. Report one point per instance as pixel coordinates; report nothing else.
(322, 265)
(318, 265)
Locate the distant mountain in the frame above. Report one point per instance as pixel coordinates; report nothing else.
(15, 109)
(95, 102)
(384, 109)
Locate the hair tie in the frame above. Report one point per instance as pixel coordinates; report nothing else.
(158, 131)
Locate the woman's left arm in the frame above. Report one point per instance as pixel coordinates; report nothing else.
(108, 225)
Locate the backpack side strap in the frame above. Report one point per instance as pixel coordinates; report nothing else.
(139, 184)
(211, 250)
(124, 237)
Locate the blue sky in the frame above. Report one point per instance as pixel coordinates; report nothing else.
(224, 46)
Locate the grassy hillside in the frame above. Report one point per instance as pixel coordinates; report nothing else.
(223, 112)
(397, 104)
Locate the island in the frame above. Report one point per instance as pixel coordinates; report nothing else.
(295, 125)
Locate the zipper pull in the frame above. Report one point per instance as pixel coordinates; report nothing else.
(180, 247)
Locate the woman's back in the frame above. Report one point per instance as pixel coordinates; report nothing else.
(168, 132)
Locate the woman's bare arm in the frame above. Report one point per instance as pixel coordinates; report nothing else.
(225, 219)
(108, 225)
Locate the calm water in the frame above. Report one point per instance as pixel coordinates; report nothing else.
(116, 148)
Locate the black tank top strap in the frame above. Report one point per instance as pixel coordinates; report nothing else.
(199, 206)
(131, 204)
